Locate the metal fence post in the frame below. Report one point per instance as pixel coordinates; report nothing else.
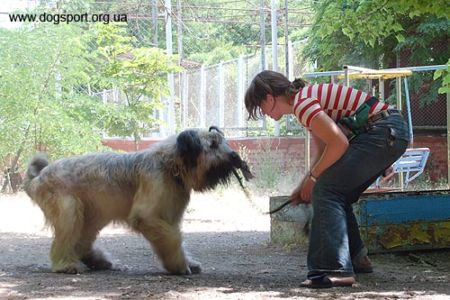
(275, 49)
(290, 56)
(163, 118)
(408, 111)
(184, 99)
(448, 139)
(202, 97)
(221, 93)
(346, 76)
(170, 77)
(399, 106)
(155, 22)
(240, 92)
(262, 35)
(381, 89)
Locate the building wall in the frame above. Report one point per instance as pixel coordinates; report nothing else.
(286, 154)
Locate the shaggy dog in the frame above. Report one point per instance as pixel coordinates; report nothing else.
(148, 190)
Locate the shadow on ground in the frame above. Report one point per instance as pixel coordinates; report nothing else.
(236, 265)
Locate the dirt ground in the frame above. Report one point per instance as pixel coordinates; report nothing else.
(225, 232)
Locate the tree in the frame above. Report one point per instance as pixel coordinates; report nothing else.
(41, 69)
(375, 33)
(139, 73)
(369, 21)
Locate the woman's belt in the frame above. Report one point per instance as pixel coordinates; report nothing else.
(350, 134)
(382, 115)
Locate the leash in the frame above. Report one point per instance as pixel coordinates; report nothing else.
(250, 199)
(273, 211)
(247, 194)
(277, 209)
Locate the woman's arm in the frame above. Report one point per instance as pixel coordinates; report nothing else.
(335, 142)
(331, 143)
(317, 147)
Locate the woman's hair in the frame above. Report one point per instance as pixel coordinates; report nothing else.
(265, 83)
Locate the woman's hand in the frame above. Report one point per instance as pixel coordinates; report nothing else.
(334, 144)
(302, 193)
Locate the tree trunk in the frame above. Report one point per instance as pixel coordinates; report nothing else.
(13, 166)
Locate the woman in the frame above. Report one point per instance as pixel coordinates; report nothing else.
(358, 137)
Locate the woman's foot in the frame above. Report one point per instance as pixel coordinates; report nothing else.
(328, 281)
(363, 265)
(361, 262)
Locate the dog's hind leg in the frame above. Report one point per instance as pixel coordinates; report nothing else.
(167, 244)
(67, 222)
(93, 258)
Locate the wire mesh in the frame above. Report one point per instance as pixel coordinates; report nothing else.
(200, 32)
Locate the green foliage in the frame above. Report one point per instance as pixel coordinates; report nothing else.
(236, 28)
(439, 8)
(347, 29)
(425, 40)
(46, 73)
(37, 85)
(426, 87)
(140, 73)
(424, 183)
(445, 75)
(268, 172)
(357, 20)
(374, 34)
(370, 21)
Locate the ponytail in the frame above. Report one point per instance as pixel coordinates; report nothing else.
(299, 83)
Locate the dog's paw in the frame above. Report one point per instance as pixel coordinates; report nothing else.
(96, 260)
(99, 265)
(186, 269)
(194, 267)
(67, 269)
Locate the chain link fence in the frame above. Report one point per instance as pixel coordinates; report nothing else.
(211, 87)
(210, 90)
(218, 45)
(213, 95)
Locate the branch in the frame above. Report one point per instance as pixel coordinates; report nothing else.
(377, 9)
(47, 80)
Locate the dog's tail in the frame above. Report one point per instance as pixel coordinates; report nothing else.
(36, 165)
(38, 162)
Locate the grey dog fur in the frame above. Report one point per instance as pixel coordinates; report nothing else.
(148, 190)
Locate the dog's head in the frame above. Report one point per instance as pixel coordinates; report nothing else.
(208, 159)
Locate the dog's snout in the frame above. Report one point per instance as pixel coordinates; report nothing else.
(235, 157)
(241, 164)
(214, 144)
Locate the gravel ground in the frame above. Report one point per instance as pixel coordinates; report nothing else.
(225, 232)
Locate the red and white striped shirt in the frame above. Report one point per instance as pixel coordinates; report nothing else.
(335, 100)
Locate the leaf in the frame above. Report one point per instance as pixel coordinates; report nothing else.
(438, 73)
(400, 38)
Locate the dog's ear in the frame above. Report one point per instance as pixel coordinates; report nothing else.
(211, 128)
(189, 147)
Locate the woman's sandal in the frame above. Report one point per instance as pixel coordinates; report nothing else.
(325, 282)
(363, 265)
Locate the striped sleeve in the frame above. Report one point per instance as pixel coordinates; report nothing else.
(305, 109)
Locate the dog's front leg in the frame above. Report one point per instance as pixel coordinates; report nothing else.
(166, 242)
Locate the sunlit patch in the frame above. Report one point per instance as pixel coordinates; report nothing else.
(226, 210)
(407, 294)
(7, 290)
(30, 220)
(220, 292)
(90, 297)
